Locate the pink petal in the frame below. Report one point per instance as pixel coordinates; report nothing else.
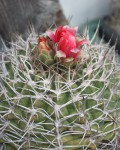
(60, 54)
(66, 43)
(50, 35)
(82, 42)
(62, 45)
(74, 50)
(71, 30)
(58, 33)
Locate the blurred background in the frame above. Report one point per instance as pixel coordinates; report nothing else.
(17, 17)
(83, 11)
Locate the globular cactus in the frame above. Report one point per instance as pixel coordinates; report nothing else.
(59, 93)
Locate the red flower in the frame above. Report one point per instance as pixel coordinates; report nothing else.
(60, 32)
(67, 45)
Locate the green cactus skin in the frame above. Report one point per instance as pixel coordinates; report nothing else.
(59, 107)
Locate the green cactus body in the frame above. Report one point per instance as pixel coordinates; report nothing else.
(59, 107)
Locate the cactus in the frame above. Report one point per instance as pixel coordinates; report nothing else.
(56, 99)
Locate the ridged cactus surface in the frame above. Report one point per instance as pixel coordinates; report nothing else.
(52, 101)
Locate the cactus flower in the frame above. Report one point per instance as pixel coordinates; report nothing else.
(60, 32)
(45, 51)
(67, 45)
(43, 44)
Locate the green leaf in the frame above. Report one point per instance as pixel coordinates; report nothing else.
(52, 54)
(45, 52)
(43, 58)
(49, 62)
